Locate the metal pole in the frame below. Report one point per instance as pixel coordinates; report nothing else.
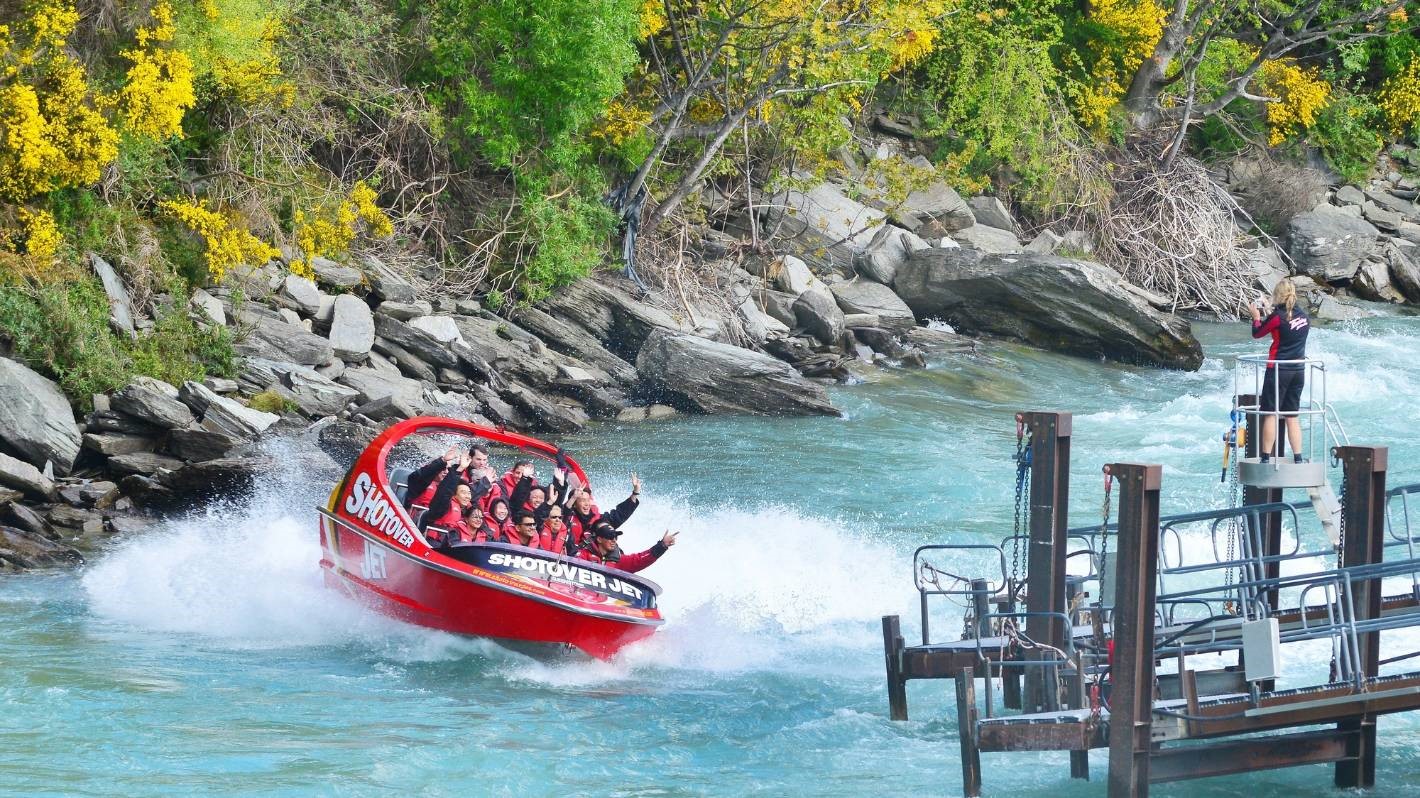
(1364, 471)
(893, 645)
(1136, 584)
(1049, 511)
(1271, 523)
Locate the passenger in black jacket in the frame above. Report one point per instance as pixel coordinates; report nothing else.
(421, 485)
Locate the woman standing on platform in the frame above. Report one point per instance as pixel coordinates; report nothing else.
(1282, 387)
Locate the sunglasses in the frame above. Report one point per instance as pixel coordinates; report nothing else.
(554, 518)
(527, 523)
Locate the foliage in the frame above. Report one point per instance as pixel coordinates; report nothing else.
(1346, 133)
(329, 232)
(271, 402)
(63, 328)
(1115, 38)
(228, 243)
(1399, 99)
(1298, 95)
(235, 46)
(159, 87)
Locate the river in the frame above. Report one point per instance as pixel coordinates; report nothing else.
(205, 656)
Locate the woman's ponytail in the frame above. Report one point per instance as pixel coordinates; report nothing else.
(1285, 295)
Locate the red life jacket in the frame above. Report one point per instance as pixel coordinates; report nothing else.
(580, 529)
(630, 563)
(554, 541)
(490, 532)
(454, 524)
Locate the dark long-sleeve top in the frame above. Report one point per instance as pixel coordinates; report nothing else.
(444, 495)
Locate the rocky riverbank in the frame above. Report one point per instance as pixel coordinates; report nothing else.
(837, 287)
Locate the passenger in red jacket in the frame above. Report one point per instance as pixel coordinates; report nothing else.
(605, 551)
(585, 515)
(425, 480)
(526, 531)
(554, 532)
(500, 520)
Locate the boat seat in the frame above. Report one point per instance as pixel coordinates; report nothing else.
(400, 480)
(416, 512)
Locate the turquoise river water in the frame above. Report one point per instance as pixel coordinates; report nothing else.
(206, 658)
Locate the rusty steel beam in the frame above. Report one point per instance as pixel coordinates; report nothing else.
(1271, 532)
(1244, 756)
(1136, 588)
(1049, 509)
(1363, 518)
(966, 733)
(1069, 735)
(892, 659)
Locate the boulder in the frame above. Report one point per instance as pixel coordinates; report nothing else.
(823, 225)
(791, 275)
(343, 441)
(1076, 244)
(24, 517)
(36, 421)
(1404, 274)
(406, 362)
(1072, 306)
(197, 444)
(1267, 266)
(415, 341)
(575, 342)
(372, 385)
(888, 249)
(352, 328)
(1372, 281)
(991, 240)
(113, 443)
(1383, 218)
(215, 478)
(314, 395)
(224, 415)
(272, 337)
(758, 324)
(1045, 243)
(442, 328)
(1326, 307)
(609, 313)
(712, 377)
(1391, 201)
(817, 312)
(143, 463)
(23, 550)
(543, 411)
(152, 405)
(109, 421)
(937, 206)
(387, 408)
(210, 307)
(301, 295)
(1329, 245)
(1349, 195)
(991, 212)
(385, 284)
(119, 305)
(333, 274)
(865, 296)
(404, 311)
(24, 477)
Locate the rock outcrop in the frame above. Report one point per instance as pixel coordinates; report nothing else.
(712, 377)
(36, 422)
(1071, 306)
(1328, 244)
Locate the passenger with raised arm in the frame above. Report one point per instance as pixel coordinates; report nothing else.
(453, 516)
(424, 481)
(585, 515)
(605, 551)
(1282, 386)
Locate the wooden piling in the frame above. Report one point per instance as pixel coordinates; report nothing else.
(893, 645)
(966, 729)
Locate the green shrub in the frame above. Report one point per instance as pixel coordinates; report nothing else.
(271, 402)
(1345, 132)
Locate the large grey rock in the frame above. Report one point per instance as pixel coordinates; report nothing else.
(36, 422)
(1045, 242)
(791, 275)
(823, 226)
(352, 328)
(333, 274)
(1267, 267)
(443, 328)
(113, 443)
(406, 362)
(23, 550)
(865, 296)
(313, 394)
(404, 311)
(712, 377)
(1404, 274)
(1072, 306)
(1388, 200)
(1383, 218)
(223, 414)
(119, 305)
(1372, 281)
(991, 212)
(415, 341)
(991, 240)
(300, 294)
(24, 477)
(1326, 307)
(758, 324)
(575, 342)
(152, 405)
(817, 312)
(372, 385)
(937, 207)
(143, 463)
(544, 413)
(197, 444)
(1329, 245)
(1349, 195)
(271, 337)
(610, 314)
(888, 249)
(209, 306)
(777, 305)
(385, 284)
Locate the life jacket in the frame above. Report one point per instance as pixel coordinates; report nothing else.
(490, 533)
(454, 526)
(555, 541)
(579, 527)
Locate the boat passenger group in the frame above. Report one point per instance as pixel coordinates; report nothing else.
(467, 502)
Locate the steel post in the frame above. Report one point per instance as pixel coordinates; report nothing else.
(1363, 514)
(966, 731)
(1049, 520)
(1271, 531)
(893, 645)
(1136, 586)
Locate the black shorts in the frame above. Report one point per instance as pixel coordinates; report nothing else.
(1288, 391)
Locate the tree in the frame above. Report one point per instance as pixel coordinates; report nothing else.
(1275, 30)
(783, 65)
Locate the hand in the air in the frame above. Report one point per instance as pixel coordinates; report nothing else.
(668, 539)
(635, 483)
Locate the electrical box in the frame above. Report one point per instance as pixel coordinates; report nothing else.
(1262, 649)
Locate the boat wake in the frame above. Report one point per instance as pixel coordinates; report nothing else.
(745, 589)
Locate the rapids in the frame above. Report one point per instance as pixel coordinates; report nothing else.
(206, 657)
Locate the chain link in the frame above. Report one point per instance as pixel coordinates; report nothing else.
(1018, 549)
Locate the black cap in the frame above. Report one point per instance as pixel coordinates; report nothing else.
(605, 530)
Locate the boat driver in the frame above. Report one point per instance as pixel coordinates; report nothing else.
(603, 549)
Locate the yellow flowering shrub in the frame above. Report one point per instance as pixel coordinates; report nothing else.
(1134, 26)
(53, 133)
(620, 122)
(235, 44)
(651, 18)
(159, 87)
(1399, 98)
(228, 245)
(42, 238)
(330, 232)
(1300, 94)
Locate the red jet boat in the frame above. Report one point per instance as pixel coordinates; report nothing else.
(526, 599)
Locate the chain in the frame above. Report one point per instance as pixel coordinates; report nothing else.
(1230, 606)
(1341, 527)
(1018, 550)
(1104, 529)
